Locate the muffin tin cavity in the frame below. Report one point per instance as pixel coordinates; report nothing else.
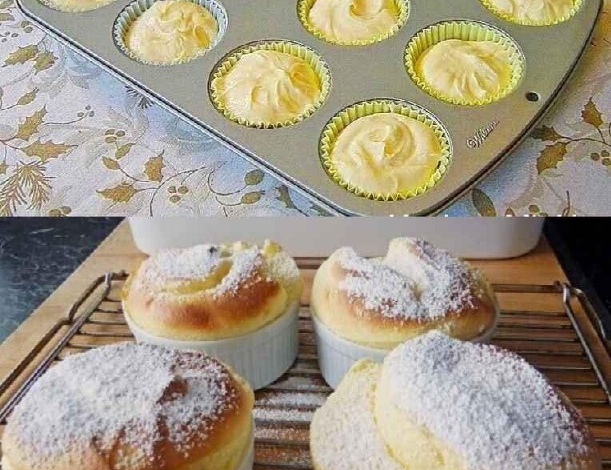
(75, 6)
(534, 12)
(134, 10)
(401, 7)
(347, 116)
(464, 31)
(286, 79)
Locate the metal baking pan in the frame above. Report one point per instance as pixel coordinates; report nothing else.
(481, 136)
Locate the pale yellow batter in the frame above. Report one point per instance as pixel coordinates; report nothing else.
(386, 153)
(535, 11)
(77, 5)
(171, 31)
(466, 71)
(269, 87)
(353, 20)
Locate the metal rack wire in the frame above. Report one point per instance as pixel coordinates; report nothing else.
(565, 343)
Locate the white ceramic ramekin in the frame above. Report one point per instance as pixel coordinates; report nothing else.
(336, 355)
(259, 357)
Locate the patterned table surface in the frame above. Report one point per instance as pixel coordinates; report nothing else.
(76, 141)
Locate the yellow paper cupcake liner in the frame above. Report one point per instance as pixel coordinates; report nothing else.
(312, 58)
(508, 17)
(466, 31)
(75, 8)
(348, 115)
(303, 11)
(136, 8)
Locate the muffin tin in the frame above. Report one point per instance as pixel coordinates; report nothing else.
(481, 136)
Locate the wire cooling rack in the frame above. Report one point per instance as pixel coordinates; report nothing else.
(552, 326)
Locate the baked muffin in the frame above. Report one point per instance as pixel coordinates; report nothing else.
(343, 432)
(353, 21)
(534, 12)
(238, 302)
(171, 31)
(386, 154)
(133, 406)
(365, 307)
(268, 88)
(415, 288)
(440, 403)
(466, 71)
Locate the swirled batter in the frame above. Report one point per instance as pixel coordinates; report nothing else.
(386, 153)
(535, 11)
(269, 87)
(353, 20)
(465, 70)
(171, 31)
(77, 5)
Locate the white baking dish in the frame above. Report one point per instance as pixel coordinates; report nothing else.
(337, 355)
(319, 237)
(259, 357)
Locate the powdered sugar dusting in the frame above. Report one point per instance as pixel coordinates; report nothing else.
(244, 265)
(379, 286)
(281, 266)
(292, 399)
(134, 394)
(414, 281)
(344, 434)
(488, 404)
(282, 415)
(235, 264)
(175, 265)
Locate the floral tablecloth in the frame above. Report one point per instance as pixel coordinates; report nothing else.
(75, 141)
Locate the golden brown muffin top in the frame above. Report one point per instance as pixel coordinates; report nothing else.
(126, 406)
